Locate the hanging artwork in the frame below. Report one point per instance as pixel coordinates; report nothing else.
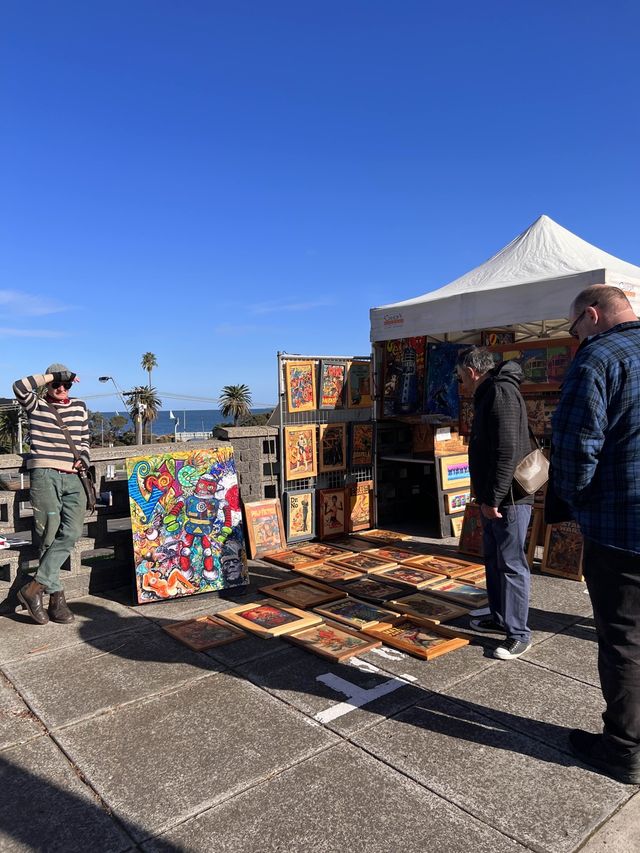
(300, 516)
(359, 385)
(333, 378)
(471, 536)
(361, 444)
(409, 635)
(404, 375)
(454, 471)
(456, 501)
(441, 396)
(301, 385)
(264, 527)
(490, 338)
(269, 618)
(332, 641)
(300, 456)
(360, 505)
(186, 522)
(563, 551)
(332, 451)
(332, 512)
(558, 360)
(466, 415)
(456, 525)
(534, 365)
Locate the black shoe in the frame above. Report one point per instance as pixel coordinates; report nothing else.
(31, 597)
(487, 625)
(58, 609)
(511, 649)
(591, 749)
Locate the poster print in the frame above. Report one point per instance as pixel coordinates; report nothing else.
(456, 501)
(264, 527)
(360, 505)
(301, 385)
(404, 375)
(454, 471)
(332, 512)
(471, 536)
(359, 385)
(186, 522)
(563, 551)
(361, 444)
(333, 447)
(300, 516)
(333, 378)
(441, 397)
(300, 455)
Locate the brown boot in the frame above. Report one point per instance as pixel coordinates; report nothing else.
(58, 609)
(31, 596)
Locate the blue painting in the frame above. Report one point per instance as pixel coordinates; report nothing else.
(441, 397)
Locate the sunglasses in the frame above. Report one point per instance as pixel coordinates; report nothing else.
(65, 385)
(573, 326)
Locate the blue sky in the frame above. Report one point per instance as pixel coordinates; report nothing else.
(217, 181)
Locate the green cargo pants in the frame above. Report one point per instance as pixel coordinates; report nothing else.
(59, 503)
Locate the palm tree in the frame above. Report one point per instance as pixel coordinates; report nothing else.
(9, 429)
(146, 398)
(149, 361)
(235, 401)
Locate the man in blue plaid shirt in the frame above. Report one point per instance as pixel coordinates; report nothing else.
(596, 469)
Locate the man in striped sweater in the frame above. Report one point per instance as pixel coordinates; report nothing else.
(57, 495)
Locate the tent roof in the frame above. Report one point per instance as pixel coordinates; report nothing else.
(533, 278)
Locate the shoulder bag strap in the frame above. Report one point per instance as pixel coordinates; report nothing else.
(65, 432)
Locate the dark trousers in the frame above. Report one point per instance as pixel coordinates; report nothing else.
(508, 576)
(613, 580)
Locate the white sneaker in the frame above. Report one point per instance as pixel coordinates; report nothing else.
(481, 611)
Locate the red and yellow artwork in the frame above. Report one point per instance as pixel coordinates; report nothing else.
(300, 454)
(301, 385)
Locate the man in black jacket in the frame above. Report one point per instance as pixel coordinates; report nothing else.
(499, 441)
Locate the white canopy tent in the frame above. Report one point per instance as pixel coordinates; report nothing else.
(528, 285)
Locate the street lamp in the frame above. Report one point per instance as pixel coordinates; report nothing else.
(175, 418)
(138, 407)
(120, 394)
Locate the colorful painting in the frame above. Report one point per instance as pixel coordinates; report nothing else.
(425, 607)
(535, 414)
(558, 361)
(361, 444)
(269, 618)
(471, 536)
(333, 641)
(302, 592)
(456, 501)
(454, 471)
(409, 635)
(534, 365)
(301, 385)
(300, 516)
(563, 550)
(490, 338)
(264, 527)
(300, 457)
(332, 512)
(333, 447)
(356, 613)
(360, 505)
(441, 397)
(205, 632)
(359, 385)
(186, 522)
(404, 375)
(333, 378)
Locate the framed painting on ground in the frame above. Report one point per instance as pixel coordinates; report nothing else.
(352, 543)
(300, 457)
(359, 385)
(403, 376)
(363, 562)
(332, 448)
(333, 641)
(186, 520)
(300, 380)
(462, 593)
(319, 550)
(454, 471)
(405, 575)
(302, 592)
(205, 632)
(264, 527)
(361, 444)
(448, 566)
(471, 536)
(411, 635)
(382, 537)
(269, 618)
(333, 378)
(291, 559)
(441, 397)
(300, 516)
(427, 607)
(326, 573)
(332, 514)
(360, 505)
(371, 589)
(356, 613)
(563, 551)
(478, 577)
(456, 501)
(389, 552)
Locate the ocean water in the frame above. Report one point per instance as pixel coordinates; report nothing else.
(189, 420)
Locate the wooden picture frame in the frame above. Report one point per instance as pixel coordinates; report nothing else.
(359, 384)
(290, 559)
(472, 532)
(332, 447)
(352, 543)
(456, 525)
(300, 453)
(456, 501)
(332, 386)
(466, 594)
(382, 537)
(363, 562)
(407, 576)
(563, 551)
(454, 471)
(319, 550)
(265, 529)
(326, 573)
(478, 577)
(302, 592)
(351, 611)
(332, 512)
(299, 516)
(370, 588)
(416, 637)
(333, 641)
(269, 618)
(204, 632)
(450, 567)
(360, 505)
(300, 381)
(427, 607)
(390, 552)
(361, 444)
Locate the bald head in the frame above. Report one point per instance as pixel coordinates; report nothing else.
(598, 308)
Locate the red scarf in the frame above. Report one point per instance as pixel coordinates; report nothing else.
(56, 402)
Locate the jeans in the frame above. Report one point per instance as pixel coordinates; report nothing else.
(59, 502)
(508, 577)
(613, 580)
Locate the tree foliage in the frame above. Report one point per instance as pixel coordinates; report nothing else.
(235, 402)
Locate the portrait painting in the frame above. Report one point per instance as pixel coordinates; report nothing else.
(332, 512)
(410, 635)
(361, 444)
(454, 471)
(300, 381)
(333, 641)
(332, 447)
(471, 536)
(333, 378)
(300, 516)
(186, 522)
(441, 397)
(264, 527)
(403, 376)
(359, 384)
(300, 455)
(563, 548)
(204, 632)
(269, 618)
(360, 505)
(358, 614)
